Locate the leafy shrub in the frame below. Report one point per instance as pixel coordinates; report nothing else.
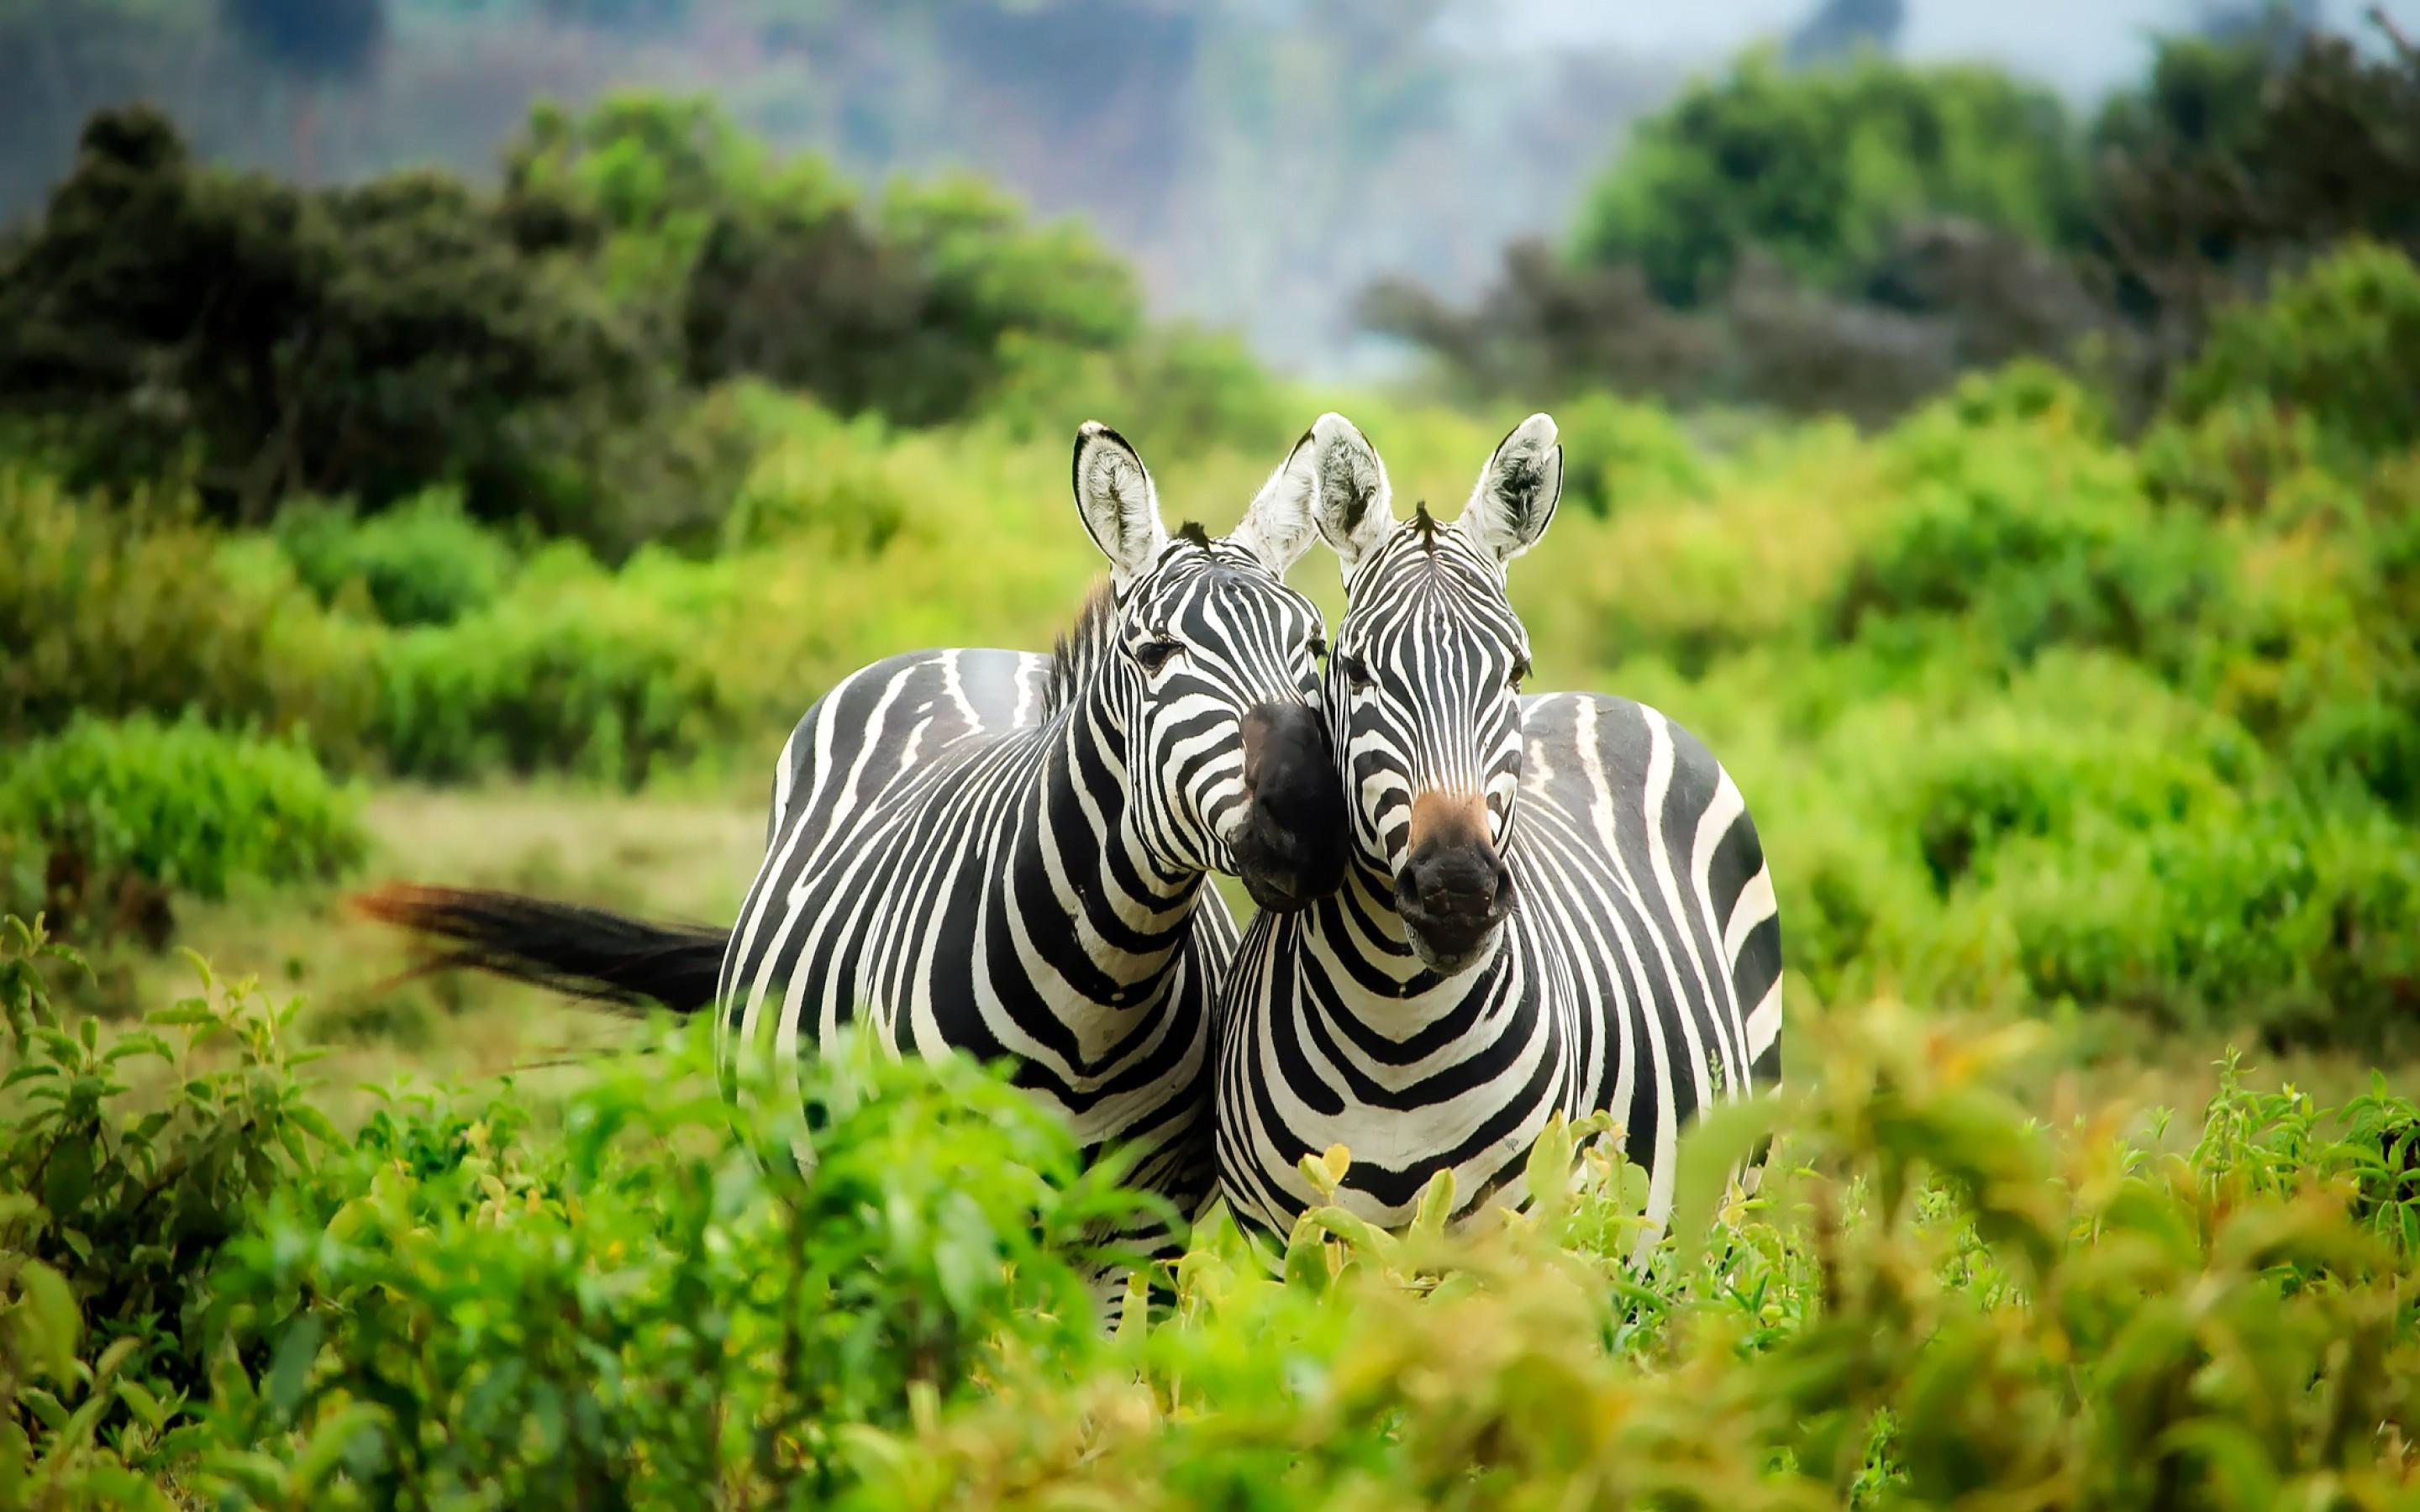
(825, 480)
(2339, 343)
(423, 562)
(113, 611)
(636, 1301)
(1176, 392)
(615, 1300)
(2287, 920)
(2040, 543)
(1614, 452)
(190, 809)
(115, 1207)
(610, 677)
(1884, 1333)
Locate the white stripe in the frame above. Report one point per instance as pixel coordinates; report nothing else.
(1764, 1024)
(1755, 905)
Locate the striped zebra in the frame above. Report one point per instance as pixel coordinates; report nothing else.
(1004, 853)
(1556, 904)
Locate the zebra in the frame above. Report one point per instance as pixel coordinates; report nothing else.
(1557, 902)
(1004, 853)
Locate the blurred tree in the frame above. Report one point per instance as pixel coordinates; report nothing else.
(2242, 158)
(1838, 27)
(1816, 168)
(368, 341)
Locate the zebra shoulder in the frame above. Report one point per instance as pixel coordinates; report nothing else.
(1583, 738)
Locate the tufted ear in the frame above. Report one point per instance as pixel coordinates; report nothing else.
(1350, 500)
(1119, 506)
(1517, 491)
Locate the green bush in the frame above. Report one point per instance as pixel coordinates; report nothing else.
(2339, 343)
(1816, 168)
(187, 808)
(2033, 541)
(118, 610)
(2291, 921)
(422, 561)
(612, 1300)
(115, 1205)
(634, 1300)
(610, 677)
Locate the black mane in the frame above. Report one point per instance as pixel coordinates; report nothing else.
(1076, 646)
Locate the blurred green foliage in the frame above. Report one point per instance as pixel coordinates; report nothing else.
(607, 1298)
(2029, 714)
(423, 562)
(184, 808)
(1848, 237)
(1817, 169)
(550, 352)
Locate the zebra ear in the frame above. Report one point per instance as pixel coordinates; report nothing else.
(1517, 491)
(1350, 499)
(1278, 527)
(1118, 505)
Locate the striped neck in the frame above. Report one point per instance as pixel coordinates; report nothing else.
(1126, 914)
(1384, 980)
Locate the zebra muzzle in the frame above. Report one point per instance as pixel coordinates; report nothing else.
(1454, 889)
(1290, 845)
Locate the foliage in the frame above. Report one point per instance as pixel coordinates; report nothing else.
(99, 807)
(1935, 1294)
(423, 562)
(118, 1195)
(115, 610)
(366, 341)
(1816, 168)
(2337, 346)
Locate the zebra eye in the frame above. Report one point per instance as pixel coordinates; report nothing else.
(1356, 672)
(1317, 646)
(1154, 655)
(1520, 672)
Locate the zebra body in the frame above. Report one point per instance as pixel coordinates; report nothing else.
(947, 870)
(1005, 855)
(1557, 903)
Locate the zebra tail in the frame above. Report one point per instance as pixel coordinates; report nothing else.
(586, 953)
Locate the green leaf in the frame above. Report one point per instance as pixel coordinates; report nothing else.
(290, 1367)
(143, 1404)
(57, 1324)
(1721, 1140)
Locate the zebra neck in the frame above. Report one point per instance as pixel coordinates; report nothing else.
(1127, 915)
(1384, 981)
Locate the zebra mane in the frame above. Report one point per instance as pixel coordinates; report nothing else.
(1076, 645)
(1427, 524)
(1074, 649)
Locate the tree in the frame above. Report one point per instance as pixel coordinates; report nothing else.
(1838, 27)
(1816, 169)
(366, 341)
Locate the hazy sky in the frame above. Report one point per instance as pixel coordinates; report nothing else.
(2081, 46)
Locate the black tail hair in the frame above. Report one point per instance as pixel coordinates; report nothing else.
(566, 948)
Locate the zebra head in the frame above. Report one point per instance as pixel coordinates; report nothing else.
(1211, 661)
(1423, 691)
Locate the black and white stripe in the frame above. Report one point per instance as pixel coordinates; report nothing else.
(1555, 903)
(1003, 853)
